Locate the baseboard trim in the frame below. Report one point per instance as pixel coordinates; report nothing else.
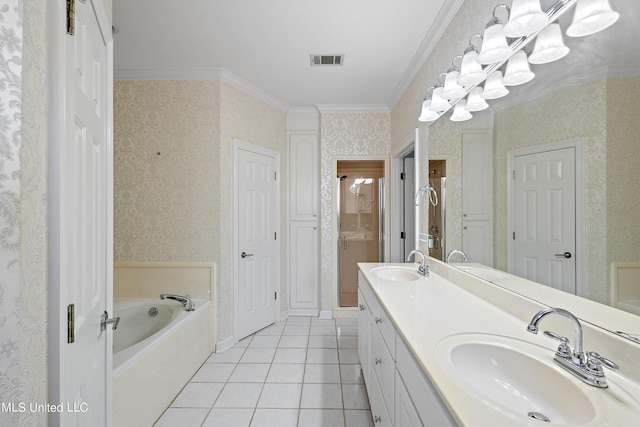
(325, 315)
(225, 344)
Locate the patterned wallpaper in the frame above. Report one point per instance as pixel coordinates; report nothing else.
(173, 167)
(23, 211)
(343, 134)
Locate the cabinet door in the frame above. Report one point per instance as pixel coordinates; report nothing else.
(406, 414)
(304, 266)
(477, 241)
(303, 187)
(364, 338)
(476, 176)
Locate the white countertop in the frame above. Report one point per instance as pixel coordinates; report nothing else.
(427, 310)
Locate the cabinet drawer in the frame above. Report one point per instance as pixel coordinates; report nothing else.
(379, 411)
(426, 399)
(384, 369)
(382, 322)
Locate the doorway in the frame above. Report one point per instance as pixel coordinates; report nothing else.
(257, 248)
(360, 186)
(437, 204)
(546, 209)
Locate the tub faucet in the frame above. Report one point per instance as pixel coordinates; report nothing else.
(459, 252)
(422, 269)
(587, 367)
(184, 300)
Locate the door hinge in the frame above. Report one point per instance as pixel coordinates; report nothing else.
(514, 235)
(70, 323)
(513, 174)
(403, 235)
(71, 16)
(275, 235)
(275, 176)
(403, 176)
(275, 295)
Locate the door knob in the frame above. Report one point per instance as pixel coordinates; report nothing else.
(245, 255)
(564, 255)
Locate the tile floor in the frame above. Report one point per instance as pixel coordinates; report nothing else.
(301, 372)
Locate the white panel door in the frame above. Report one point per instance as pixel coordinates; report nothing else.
(84, 224)
(258, 262)
(305, 273)
(545, 217)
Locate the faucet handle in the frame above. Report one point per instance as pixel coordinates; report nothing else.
(563, 349)
(594, 361)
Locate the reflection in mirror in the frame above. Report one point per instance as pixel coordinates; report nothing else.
(589, 96)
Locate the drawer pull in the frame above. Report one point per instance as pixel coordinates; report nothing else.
(378, 320)
(377, 361)
(377, 419)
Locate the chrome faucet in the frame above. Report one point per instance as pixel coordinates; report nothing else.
(587, 367)
(184, 300)
(459, 252)
(422, 268)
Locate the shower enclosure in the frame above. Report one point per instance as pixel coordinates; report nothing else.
(437, 209)
(361, 221)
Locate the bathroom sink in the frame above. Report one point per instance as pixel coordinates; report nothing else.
(483, 273)
(516, 377)
(396, 274)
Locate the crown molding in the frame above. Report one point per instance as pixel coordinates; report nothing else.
(212, 74)
(444, 18)
(353, 108)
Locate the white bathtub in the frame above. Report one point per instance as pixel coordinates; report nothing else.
(155, 356)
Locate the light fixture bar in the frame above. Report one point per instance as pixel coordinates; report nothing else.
(554, 13)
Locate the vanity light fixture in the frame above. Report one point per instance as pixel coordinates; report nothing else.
(426, 115)
(494, 42)
(549, 46)
(475, 101)
(526, 17)
(470, 70)
(493, 86)
(590, 17)
(518, 71)
(438, 103)
(451, 89)
(460, 113)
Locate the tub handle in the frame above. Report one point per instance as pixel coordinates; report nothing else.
(104, 321)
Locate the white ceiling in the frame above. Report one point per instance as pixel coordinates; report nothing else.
(268, 43)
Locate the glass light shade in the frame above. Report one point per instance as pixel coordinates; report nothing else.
(494, 45)
(438, 103)
(549, 46)
(518, 71)
(590, 17)
(525, 18)
(451, 89)
(471, 71)
(427, 115)
(460, 113)
(475, 101)
(493, 87)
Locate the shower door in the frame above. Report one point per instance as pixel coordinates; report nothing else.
(361, 234)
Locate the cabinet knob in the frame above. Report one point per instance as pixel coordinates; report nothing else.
(378, 320)
(465, 227)
(377, 361)
(377, 419)
(464, 215)
(361, 307)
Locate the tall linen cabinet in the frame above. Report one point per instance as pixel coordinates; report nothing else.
(304, 224)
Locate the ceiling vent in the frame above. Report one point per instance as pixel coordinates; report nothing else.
(317, 60)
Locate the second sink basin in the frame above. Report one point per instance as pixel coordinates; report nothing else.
(396, 274)
(515, 376)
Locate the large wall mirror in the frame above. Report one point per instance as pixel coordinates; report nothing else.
(589, 99)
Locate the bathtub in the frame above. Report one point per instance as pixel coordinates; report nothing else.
(158, 346)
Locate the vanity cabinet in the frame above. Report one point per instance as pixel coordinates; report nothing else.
(304, 236)
(400, 394)
(477, 199)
